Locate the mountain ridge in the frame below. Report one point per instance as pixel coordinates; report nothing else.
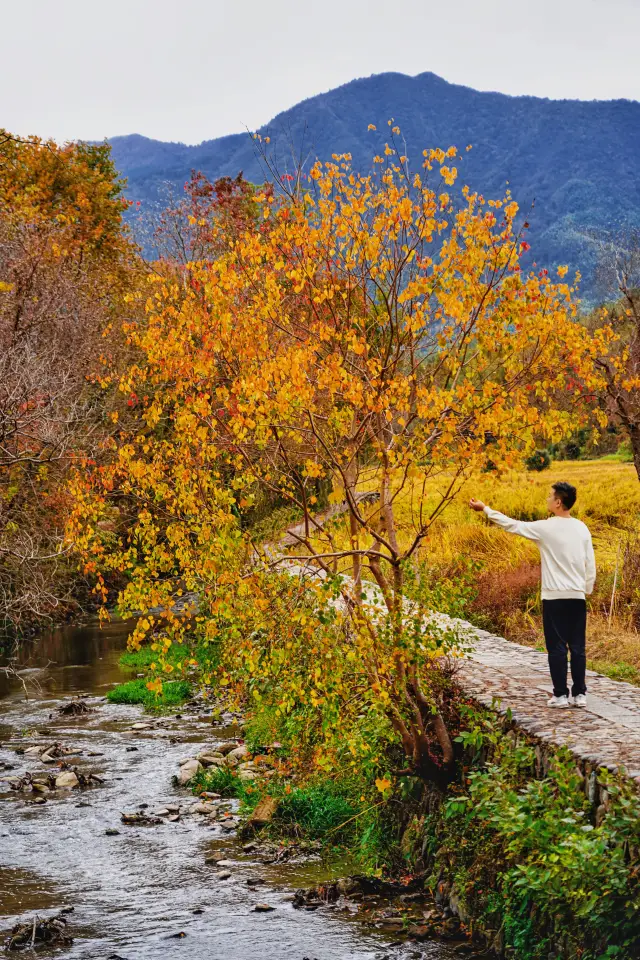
(576, 159)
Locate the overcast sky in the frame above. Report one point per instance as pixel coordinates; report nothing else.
(192, 70)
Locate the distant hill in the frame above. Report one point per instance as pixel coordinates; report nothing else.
(578, 160)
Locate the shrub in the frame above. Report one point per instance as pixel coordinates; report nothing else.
(317, 810)
(539, 461)
(502, 593)
(525, 854)
(222, 780)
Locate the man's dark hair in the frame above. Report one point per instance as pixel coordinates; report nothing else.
(565, 492)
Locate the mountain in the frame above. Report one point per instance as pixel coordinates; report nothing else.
(577, 160)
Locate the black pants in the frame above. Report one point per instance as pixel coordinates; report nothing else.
(565, 628)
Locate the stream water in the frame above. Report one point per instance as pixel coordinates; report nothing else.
(146, 892)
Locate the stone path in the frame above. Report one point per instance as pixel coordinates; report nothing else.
(605, 734)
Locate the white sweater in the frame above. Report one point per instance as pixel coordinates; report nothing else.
(566, 552)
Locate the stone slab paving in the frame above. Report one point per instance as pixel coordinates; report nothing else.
(605, 734)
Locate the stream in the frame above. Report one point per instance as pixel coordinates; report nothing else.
(142, 893)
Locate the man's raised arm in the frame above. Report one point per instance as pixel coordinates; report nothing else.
(521, 528)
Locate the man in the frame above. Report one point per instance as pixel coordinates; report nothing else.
(568, 573)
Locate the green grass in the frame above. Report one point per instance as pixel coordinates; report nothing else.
(316, 810)
(617, 671)
(143, 658)
(135, 691)
(222, 780)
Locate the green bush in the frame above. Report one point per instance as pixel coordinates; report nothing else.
(539, 460)
(526, 855)
(222, 780)
(143, 658)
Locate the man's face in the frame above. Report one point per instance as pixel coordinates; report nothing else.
(553, 501)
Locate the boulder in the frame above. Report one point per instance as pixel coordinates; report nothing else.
(238, 753)
(245, 774)
(188, 771)
(210, 760)
(67, 780)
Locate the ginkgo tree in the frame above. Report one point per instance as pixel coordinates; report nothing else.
(376, 332)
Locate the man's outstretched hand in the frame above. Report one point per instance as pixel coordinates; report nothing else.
(477, 505)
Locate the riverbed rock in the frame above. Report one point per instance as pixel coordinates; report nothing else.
(67, 780)
(210, 760)
(248, 774)
(223, 875)
(226, 747)
(262, 815)
(238, 754)
(75, 707)
(188, 771)
(263, 908)
(140, 819)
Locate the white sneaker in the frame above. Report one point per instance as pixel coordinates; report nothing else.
(579, 701)
(560, 703)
